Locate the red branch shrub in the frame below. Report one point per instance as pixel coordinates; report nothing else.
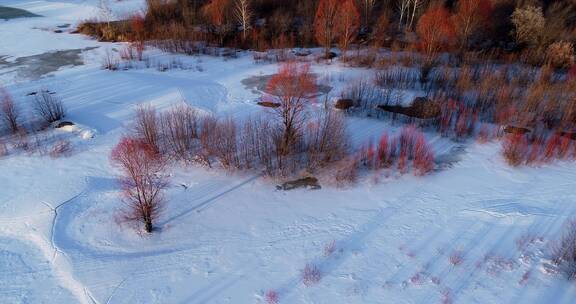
(325, 24)
(311, 275)
(142, 180)
(407, 151)
(470, 16)
(291, 88)
(515, 148)
(456, 258)
(347, 24)
(271, 297)
(436, 30)
(423, 156)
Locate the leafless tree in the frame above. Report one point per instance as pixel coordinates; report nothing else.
(292, 87)
(9, 113)
(142, 180)
(408, 9)
(105, 11)
(403, 7)
(415, 6)
(367, 7)
(49, 106)
(243, 14)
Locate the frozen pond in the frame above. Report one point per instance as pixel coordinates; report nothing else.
(12, 13)
(36, 66)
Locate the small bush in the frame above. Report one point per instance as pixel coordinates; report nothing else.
(311, 275)
(346, 172)
(560, 54)
(179, 129)
(3, 149)
(515, 149)
(271, 297)
(49, 106)
(330, 248)
(564, 252)
(110, 61)
(456, 258)
(8, 112)
(61, 148)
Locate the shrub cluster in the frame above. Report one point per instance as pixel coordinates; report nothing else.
(407, 151)
(526, 149)
(255, 143)
(19, 132)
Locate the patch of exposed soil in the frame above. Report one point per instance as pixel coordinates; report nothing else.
(516, 130)
(35, 66)
(307, 182)
(420, 108)
(7, 13)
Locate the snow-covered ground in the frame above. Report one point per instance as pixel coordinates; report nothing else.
(477, 232)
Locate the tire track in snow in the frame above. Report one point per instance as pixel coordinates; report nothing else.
(64, 269)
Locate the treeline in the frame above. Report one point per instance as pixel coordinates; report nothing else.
(542, 30)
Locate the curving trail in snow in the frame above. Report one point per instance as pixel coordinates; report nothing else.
(475, 231)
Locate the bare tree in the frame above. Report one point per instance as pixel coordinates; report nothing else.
(243, 14)
(347, 25)
(49, 106)
(9, 112)
(292, 87)
(415, 6)
(216, 11)
(142, 180)
(367, 7)
(408, 9)
(324, 24)
(403, 7)
(105, 11)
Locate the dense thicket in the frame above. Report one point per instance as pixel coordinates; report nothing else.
(507, 26)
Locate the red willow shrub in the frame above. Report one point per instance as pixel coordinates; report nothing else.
(436, 30)
(519, 149)
(405, 152)
(515, 149)
(457, 119)
(142, 180)
(292, 89)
